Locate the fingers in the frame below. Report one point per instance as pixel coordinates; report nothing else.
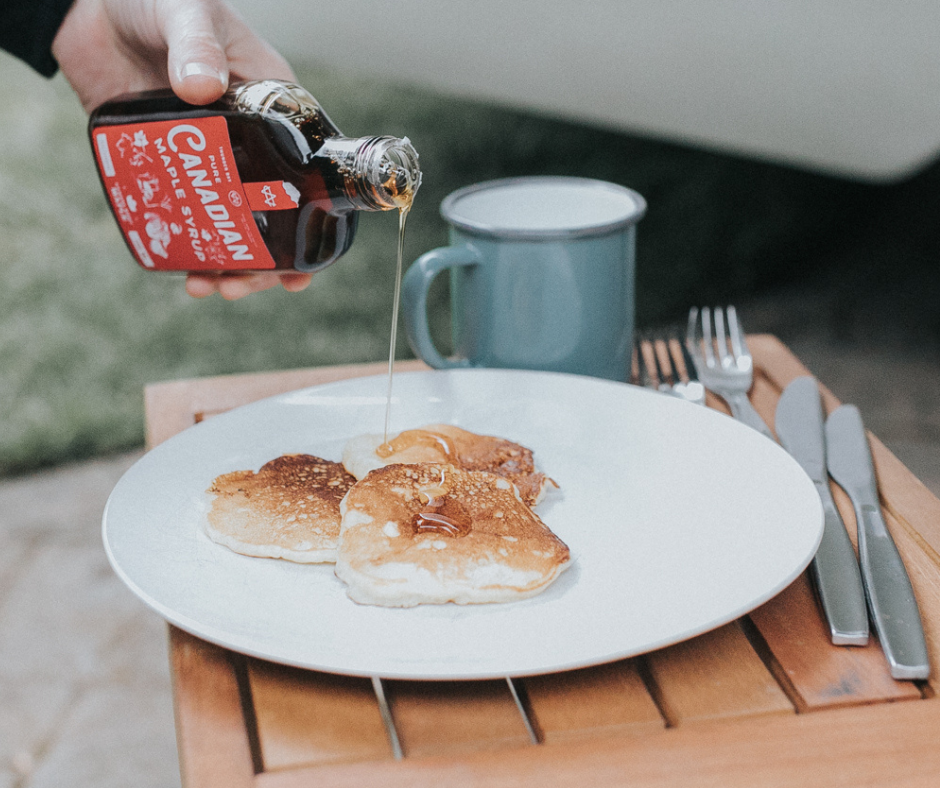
(294, 283)
(231, 288)
(207, 44)
(196, 60)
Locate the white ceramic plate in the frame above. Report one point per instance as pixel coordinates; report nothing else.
(678, 519)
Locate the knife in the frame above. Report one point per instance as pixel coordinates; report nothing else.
(891, 599)
(800, 428)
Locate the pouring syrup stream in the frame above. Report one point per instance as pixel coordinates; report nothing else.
(402, 217)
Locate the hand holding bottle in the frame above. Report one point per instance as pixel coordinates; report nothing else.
(109, 47)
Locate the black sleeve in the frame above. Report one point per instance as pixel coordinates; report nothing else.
(27, 28)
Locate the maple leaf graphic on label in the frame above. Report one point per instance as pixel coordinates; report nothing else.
(272, 195)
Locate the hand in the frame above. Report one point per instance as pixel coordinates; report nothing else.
(235, 286)
(108, 47)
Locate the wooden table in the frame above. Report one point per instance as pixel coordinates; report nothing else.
(763, 701)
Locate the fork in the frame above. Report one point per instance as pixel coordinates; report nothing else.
(668, 380)
(723, 362)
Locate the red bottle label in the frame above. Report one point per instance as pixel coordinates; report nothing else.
(272, 195)
(177, 195)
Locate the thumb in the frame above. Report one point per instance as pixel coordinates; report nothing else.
(196, 60)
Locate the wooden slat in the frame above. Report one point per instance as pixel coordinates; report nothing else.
(172, 406)
(844, 505)
(448, 717)
(890, 744)
(307, 717)
(717, 675)
(600, 701)
(214, 746)
(818, 674)
(912, 513)
(922, 568)
(916, 508)
(774, 360)
(926, 582)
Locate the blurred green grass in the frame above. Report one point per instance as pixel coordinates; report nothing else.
(82, 329)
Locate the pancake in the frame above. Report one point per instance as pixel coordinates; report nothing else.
(288, 509)
(449, 444)
(434, 533)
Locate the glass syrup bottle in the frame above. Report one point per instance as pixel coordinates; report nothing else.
(259, 180)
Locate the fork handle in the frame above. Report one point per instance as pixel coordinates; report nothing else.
(743, 410)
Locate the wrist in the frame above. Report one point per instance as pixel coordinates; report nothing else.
(27, 31)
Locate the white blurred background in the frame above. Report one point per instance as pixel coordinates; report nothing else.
(848, 87)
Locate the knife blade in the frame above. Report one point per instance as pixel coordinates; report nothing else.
(800, 428)
(891, 600)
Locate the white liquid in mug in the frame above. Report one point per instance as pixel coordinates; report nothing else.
(528, 207)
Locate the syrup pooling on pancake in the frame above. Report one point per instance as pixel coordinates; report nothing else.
(410, 439)
(450, 444)
(435, 533)
(440, 512)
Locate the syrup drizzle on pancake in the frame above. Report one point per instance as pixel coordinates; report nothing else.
(442, 515)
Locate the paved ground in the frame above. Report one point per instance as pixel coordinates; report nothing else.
(84, 685)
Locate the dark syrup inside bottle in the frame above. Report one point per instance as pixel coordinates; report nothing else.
(278, 132)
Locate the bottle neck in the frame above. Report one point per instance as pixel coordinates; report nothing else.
(380, 173)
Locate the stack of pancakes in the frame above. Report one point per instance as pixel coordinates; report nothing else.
(435, 515)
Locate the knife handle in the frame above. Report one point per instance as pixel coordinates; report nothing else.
(743, 410)
(838, 580)
(891, 599)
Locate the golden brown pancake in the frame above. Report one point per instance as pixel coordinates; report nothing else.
(459, 447)
(435, 533)
(288, 509)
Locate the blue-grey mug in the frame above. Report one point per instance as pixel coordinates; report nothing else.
(542, 273)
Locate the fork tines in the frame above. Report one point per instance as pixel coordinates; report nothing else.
(663, 363)
(727, 370)
(721, 341)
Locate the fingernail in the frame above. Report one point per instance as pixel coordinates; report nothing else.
(201, 70)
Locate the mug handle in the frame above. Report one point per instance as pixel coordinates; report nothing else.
(415, 288)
